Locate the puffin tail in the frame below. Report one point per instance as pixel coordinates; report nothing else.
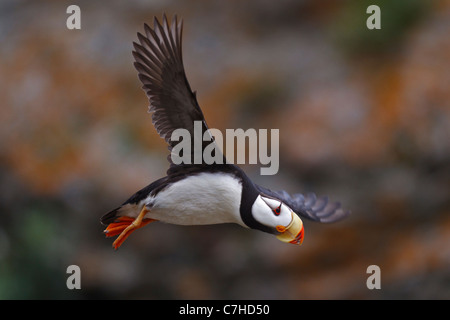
(110, 217)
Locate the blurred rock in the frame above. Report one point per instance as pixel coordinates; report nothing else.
(368, 127)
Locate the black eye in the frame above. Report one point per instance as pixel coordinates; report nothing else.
(277, 210)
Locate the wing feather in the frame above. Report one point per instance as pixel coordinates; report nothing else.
(159, 62)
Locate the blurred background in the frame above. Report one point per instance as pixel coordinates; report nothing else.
(364, 116)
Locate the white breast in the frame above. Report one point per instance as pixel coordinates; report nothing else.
(205, 198)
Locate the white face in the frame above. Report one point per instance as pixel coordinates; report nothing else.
(271, 212)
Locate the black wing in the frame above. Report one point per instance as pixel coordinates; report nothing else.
(159, 62)
(309, 206)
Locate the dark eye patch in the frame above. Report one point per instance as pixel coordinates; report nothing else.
(277, 210)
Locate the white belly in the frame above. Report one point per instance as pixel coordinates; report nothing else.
(205, 198)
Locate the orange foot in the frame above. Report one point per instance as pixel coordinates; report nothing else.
(124, 226)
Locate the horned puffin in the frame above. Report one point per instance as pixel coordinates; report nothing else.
(201, 194)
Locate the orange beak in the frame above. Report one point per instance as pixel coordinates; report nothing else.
(293, 233)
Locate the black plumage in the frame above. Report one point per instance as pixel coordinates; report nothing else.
(159, 62)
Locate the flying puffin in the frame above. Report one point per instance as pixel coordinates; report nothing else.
(201, 194)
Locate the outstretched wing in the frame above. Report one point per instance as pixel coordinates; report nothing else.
(159, 62)
(309, 206)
